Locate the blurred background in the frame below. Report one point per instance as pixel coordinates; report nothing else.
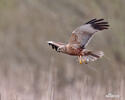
(31, 70)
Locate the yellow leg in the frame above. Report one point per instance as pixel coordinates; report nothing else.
(80, 59)
(84, 60)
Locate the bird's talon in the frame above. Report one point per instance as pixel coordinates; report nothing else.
(84, 61)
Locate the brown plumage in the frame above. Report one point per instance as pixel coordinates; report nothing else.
(79, 39)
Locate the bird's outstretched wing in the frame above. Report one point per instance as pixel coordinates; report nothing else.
(55, 45)
(82, 34)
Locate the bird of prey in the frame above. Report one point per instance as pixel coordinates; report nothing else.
(79, 39)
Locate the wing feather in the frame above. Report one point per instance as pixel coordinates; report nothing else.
(84, 33)
(55, 45)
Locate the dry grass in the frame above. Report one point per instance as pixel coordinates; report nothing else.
(30, 70)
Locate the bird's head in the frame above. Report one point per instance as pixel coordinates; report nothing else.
(61, 49)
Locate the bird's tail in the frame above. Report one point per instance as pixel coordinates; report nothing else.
(92, 56)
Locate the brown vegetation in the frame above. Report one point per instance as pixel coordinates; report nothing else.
(30, 70)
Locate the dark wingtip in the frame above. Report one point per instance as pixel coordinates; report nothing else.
(49, 43)
(91, 21)
(99, 24)
(53, 46)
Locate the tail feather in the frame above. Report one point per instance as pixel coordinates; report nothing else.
(93, 55)
(97, 54)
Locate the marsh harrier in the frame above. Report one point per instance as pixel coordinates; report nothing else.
(79, 39)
